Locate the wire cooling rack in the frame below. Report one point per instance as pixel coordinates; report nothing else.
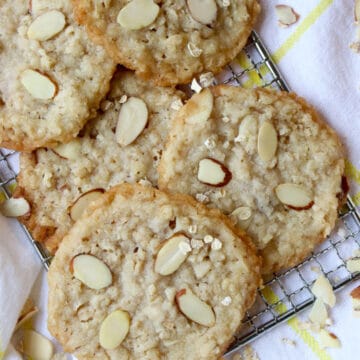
(288, 292)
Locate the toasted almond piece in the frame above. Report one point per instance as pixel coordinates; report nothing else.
(91, 271)
(138, 14)
(203, 11)
(202, 105)
(37, 346)
(353, 265)
(295, 196)
(328, 339)
(194, 308)
(26, 317)
(355, 300)
(82, 202)
(357, 11)
(286, 15)
(171, 255)
(214, 173)
(267, 141)
(318, 313)
(70, 150)
(133, 118)
(38, 85)
(14, 207)
(323, 290)
(46, 26)
(114, 329)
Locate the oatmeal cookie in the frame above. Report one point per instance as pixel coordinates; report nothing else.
(266, 159)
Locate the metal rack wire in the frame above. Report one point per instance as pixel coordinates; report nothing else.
(290, 290)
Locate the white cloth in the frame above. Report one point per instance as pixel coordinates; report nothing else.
(19, 267)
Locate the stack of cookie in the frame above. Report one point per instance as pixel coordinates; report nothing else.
(138, 272)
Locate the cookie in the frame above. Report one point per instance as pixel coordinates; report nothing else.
(266, 159)
(169, 41)
(53, 77)
(147, 275)
(58, 183)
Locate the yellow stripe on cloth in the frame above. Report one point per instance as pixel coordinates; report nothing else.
(356, 199)
(294, 323)
(352, 172)
(301, 29)
(253, 77)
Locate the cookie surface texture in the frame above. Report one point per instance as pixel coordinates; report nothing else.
(54, 180)
(120, 230)
(264, 158)
(53, 77)
(173, 40)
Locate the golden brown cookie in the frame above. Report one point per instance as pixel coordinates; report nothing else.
(147, 275)
(169, 41)
(266, 159)
(52, 76)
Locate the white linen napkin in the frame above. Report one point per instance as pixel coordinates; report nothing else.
(19, 267)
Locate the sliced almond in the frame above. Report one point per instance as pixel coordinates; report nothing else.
(267, 141)
(26, 317)
(15, 207)
(357, 11)
(318, 313)
(355, 300)
(114, 329)
(133, 118)
(286, 15)
(194, 308)
(38, 85)
(203, 11)
(295, 196)
(214, 173)
(46, 25)
(70, 150)
(200, 107)
(328, 339)
(323, 290)
(171, 255)
(353, 265)
(82, 202)
(37, 346)
(138, 14)
(91, 271)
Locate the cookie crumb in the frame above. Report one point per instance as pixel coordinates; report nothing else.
(202, 198)
(207, 79)
(123, 99)
(226, 301)
(194, 50)
(208, 239)
(288, 341)
(249, 353)
(196, 244)
(341, 232)
(192, 229)
(210, 143)
(355, 47)
(216, 244)
(176, 105)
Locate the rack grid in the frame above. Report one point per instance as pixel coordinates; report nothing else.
(286, 293)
